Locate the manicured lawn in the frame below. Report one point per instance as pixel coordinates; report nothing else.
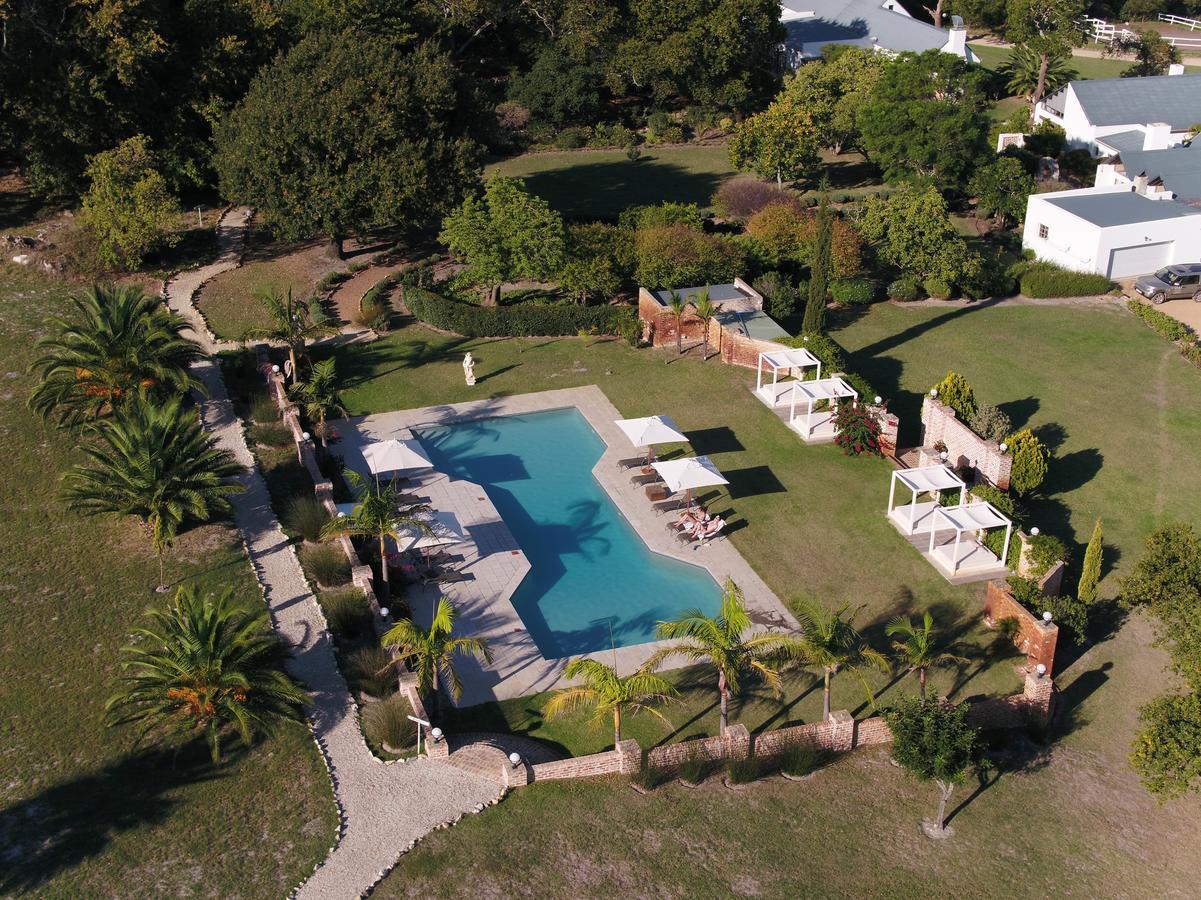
(227, 301)
(1120, 407)
(81, 813)
(993, 57)
(599, 184)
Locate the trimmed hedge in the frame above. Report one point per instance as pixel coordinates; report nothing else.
(523, 320)
(853, 291)
(1161, 323)
(1041, 280)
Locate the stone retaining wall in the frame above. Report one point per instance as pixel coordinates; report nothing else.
(625, 759)
(964, 446)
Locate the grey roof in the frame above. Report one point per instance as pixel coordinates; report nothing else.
(856, 22)
(1120, 208)
(757, 325)
(1178, 168)
(717, 293)
(1175, 99)
(1124, 141)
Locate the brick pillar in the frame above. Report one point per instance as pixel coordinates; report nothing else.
(736, 742)
(629, 757)
(843, 736)
(1039, 694)
(1040, 648)
(515, 776)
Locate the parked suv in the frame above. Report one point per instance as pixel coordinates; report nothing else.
(1171, 283)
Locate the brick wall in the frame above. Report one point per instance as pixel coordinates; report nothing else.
(872, 731)
(626, 758)
(1037, 639)
(964, 446)
(734, 744)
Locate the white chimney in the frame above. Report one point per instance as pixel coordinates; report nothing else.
(1156, 136)
(956, 40)
(1176, 69)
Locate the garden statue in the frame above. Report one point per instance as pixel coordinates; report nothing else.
(469, 369)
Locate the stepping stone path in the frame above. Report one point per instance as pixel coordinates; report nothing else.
(384, 807)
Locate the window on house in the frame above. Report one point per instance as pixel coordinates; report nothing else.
(1043, 232)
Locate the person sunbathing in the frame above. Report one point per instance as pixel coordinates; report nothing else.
(690, 518)
(711, 529)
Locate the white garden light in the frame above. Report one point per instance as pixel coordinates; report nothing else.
(515, 759)
(1041, 670)
(1047, 616)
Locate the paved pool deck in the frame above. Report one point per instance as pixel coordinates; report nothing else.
(495, 563)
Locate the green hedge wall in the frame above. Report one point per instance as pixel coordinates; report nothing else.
(1041, 280)
(1165, 325)
(523, 320)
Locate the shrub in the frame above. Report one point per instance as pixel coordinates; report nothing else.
(1079, 166)
(992, 280)
(387, 723)
(667, 213)
(678, 256)
(522, 320)
(1030, 456)
(573, 138)
(857, 429)
(1044, 551)
(648, 777)
(346, 611)
(740, 198)
(1044, 279)
(1090, 572)
(331, 280)
(263, 408)
(326, 563)
(375, 316)
(370, 670)
(1047, 139)
(1071, 615)
(956, 393)
(777, 229)
(1027, 592)
(831, 355)
(1161, 323)
(801, 758)
(905, 289)
(852, 291)
(695, 768)
(781, 296)
(271, 434)
(743, 771)
(994, 539)
(558, 90)
(990, 423)
(306, 517)
(937, 288)
(614, 135)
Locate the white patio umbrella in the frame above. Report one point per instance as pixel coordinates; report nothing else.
(395, 456)
(444, 530)
(651, 430)
(690, 473)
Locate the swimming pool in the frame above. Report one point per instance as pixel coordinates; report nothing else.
(591, 578)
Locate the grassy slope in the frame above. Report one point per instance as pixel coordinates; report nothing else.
(81, 815)
(1126, 454)
(992, 57)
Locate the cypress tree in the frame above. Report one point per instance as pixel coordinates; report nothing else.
(1090, 575)
(819, 281)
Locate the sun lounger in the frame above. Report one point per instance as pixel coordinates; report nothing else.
(633, 462)
(710, 532)
(645, 478)
(444, 576)
(671, 504)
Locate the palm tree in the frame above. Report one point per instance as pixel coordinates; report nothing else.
(1022, 71)
(916, 650)
(379, 514)
(292, 322)
(678, 307)
(119, 343)
(206, 665)
(154, 462)
(609, 694)
(319, 395)
(705, 311)
(831, 644)
(724, 642)
(430, 652)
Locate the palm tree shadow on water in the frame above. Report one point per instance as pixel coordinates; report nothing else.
(64, 825)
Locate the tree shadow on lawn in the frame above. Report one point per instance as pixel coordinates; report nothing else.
(1068, 702)
(1020, 412)
(359, 364)
(601, 189)
(68, 823)
(1010, 753)
(714, 440)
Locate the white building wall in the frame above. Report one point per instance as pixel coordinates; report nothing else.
(1082, 246)
(1082, 134)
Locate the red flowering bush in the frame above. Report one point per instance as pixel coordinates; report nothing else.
(858, 429)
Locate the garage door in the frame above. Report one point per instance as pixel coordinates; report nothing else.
(1139, 260)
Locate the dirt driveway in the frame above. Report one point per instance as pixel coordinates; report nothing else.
(1187, 311)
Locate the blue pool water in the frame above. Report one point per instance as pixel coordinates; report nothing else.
(589, 568)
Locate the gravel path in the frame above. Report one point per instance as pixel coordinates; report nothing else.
(384, 808)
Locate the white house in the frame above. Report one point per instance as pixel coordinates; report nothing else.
(1171, 174)
(1111, 231)
(1110, 115)
(882, 25)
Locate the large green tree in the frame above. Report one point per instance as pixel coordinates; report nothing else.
(204, 666)
(78, 78)
(928, 116)
(507, 234)
(1047, 28)
(116, 345)
(348, 132)
(1002, 188)
(782, 142)
(834, 91)
(912, 230)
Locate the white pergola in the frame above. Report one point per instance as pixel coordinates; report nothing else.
(973, 517)
(783, 360)
(833, 390)
(922, 480)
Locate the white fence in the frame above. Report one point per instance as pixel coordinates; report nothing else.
(1181, 21)
(1103, 32)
